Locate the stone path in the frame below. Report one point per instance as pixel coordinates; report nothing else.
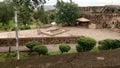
(51, 47)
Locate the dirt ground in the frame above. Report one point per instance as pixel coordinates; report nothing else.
(100, 59)
(98, 34)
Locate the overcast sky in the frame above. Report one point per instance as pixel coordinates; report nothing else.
(88, 2)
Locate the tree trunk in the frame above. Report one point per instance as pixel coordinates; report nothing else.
(16, 30)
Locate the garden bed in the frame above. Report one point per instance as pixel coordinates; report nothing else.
(99, 59)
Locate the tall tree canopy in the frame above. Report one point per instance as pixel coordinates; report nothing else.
(24, 8)
(67, 12)
(24, 15)
(6, 12)
(40, 15)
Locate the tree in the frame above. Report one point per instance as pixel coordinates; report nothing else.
(24, 15)
(6, 13)
(52, 17)
(40, 15)
(66, 12)
(16, 4)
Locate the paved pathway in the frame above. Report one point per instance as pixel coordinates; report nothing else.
(23, 48)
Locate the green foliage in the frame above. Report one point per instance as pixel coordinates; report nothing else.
(24, 27)
(31, 44)
(67, 12)
(85, 44)
(24, 15)
(72, 51)
(41, 15)
(6, 13)
(109, 44)
(79, 48)
(52, 16)
(54, 53)
(64, 47)
(59, 52)
(40, 49)
(7, 27)
(11, 56)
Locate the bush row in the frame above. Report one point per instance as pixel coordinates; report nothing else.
(35, 46)
(87, 44)
(22, 28)
(109, 44)
(83, 44)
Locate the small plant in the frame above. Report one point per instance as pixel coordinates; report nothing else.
(41, 49)
(79, 48)
(85, 44)
(109, 44)
(54, 53)
(9, 57)
(24, 27)
(30, 45)
(64, 47)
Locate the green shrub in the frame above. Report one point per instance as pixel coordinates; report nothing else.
(9, 57)
(79, 48)
(13, 29)
(85, 44)
(109, 44)
(31, 44)
(27, 27)
(41, 49)
(24, 27)
(5, 28)
(64, 47)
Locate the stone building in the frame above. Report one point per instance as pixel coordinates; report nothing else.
(102, 16)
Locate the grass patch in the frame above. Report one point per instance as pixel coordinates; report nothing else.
(94, 49)
(72, 51)
(59, 52)
(54, 53)
(12, 56)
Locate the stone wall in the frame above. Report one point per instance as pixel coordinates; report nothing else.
(102, 15)
(42, 40)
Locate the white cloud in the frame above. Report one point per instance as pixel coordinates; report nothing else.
(89, 2)
(1, 0)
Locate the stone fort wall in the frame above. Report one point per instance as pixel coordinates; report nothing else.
(104, 16)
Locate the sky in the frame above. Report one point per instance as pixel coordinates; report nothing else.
(88, 2)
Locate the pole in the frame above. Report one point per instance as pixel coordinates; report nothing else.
(16, 31)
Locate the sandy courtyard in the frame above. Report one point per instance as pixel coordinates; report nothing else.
(98, 34)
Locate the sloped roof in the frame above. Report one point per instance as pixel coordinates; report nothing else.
(83, 19)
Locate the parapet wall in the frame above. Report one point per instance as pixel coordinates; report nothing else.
(42, 40)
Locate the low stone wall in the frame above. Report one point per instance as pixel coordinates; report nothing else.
(42, 40)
